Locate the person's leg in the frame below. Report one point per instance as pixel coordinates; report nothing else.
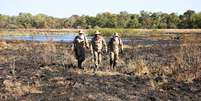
(77, 56)
(115, 59)
(99, 58)
(96, 59)
(79, 63)
(81, 58)
(111, 59)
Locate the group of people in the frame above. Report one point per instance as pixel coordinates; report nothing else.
(97, 46)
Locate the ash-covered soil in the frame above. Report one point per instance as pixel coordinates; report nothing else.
(47, 71)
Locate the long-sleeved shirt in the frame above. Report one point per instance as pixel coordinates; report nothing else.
(81, 41)
(114, 44)
(98, 43)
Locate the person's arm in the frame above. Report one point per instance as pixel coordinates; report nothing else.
(121, 45)
(74, 43)
(91, 47)
(109, 44)
(86, 42)
(77, 39)
(104, 44)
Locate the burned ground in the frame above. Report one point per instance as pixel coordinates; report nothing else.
(47, 71)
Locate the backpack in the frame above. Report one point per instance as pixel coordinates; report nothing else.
(113, 41)
(114, 44)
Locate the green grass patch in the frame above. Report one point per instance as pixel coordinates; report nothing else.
(30, 33)
(124, 32)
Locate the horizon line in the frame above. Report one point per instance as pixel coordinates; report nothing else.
(93, 15)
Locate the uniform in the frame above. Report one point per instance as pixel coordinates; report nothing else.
(80, 42)
(115, 45)
(97, 44)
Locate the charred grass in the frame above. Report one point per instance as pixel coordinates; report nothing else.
(47, 71)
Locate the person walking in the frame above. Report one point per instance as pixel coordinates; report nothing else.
(98, 43)
(115, 46)
(80, 43)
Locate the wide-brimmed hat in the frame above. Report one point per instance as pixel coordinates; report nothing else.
(81, 31)
(116, 34)
(97, 33)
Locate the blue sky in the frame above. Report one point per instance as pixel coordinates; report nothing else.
(66, 8)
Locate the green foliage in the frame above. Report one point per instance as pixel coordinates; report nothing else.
(195, 19)
(24, 20)
(122, 31)
(185, 19)
(144, 20)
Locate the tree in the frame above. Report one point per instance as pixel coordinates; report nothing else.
(24, 20)
(3, 21)
(107, 20)
(145, 19)
(156, 18)
(190, 19)
(91, 21)
(185, 19)
(163, 21)
(69, 22)
(133, 21)
(80, 22)
(122, 19)
(173, 20)
(40, 21)
(195, 19)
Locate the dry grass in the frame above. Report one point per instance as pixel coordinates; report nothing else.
(47, 71)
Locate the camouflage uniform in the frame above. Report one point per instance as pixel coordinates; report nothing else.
(115, 45)
(97, 44)
(80, 42)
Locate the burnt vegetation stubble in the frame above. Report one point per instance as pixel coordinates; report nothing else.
(153, 71)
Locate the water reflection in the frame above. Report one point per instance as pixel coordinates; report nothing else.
(69, 38)
(58, 37)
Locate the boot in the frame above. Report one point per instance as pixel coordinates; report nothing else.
(96, 67)
(80, 64)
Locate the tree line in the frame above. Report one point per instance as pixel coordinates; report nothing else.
(149, 20)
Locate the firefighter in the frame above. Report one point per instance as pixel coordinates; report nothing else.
(98, 43)
(115, 46)
(80, 43)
